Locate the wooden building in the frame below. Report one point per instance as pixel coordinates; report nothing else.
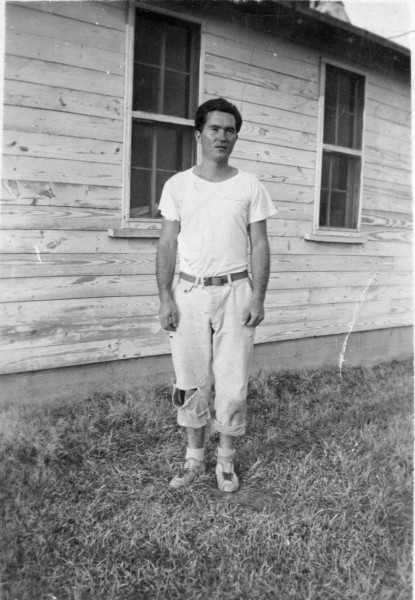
(99, 99)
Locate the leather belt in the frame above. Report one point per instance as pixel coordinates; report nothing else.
(222, 280)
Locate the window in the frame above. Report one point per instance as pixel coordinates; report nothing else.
(341, 149)
(164, 99)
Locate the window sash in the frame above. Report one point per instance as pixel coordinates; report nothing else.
(339, 209)
(181, 126)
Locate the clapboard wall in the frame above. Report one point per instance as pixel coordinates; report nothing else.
(72, 295)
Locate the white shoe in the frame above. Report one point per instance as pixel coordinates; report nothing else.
(191, 470)
(226, 476)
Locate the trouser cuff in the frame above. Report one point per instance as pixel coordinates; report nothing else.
(233, 430)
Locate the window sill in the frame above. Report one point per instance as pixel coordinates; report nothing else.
(336, 237)
(131, 232)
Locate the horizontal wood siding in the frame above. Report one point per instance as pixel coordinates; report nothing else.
(72, 295)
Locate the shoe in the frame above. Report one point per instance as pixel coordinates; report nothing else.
(226, 476)
(192, 470)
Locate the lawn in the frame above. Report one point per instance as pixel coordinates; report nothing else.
(324, 511)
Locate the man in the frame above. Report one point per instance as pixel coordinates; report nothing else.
(209, 213)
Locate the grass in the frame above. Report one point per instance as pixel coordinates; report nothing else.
(324, 511)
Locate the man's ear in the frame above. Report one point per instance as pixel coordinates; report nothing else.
(197, 136)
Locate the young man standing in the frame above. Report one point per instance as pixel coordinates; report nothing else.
(209, 214)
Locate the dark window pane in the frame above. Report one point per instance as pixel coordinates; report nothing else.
(140, 193)
(148, 39)
(165, 82)
(343, 108)
(174, 148)
(345, 130)
(340, 188)
(178, 46)
(176, 94)
(338, 209)
(324, 203)
(329, 125)
(168, 152)
(338, 172)
(146, 87)
(141, 146)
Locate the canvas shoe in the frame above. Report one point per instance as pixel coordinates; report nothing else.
(191, 470)
(226, 476)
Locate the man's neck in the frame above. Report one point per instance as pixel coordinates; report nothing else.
(214, 172)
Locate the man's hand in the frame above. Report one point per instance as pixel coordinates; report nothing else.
(254, 313)
(168, 315)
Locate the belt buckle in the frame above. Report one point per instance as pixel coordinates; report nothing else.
(217, 280)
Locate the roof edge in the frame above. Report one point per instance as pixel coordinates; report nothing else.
(300, 7)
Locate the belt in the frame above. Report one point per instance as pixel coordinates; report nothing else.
(223, 280)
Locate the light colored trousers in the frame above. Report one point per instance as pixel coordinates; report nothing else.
(211, 344)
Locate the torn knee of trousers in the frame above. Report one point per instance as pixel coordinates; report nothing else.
(191, 401)
(180, 396)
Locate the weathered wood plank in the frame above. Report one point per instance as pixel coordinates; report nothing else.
(50, 241)
(44, 145)
(377, 196)
(221, 66)
(290, 211)
(44, 193)
(74, 78)
(372, 219)
(13, 361)
(61, 123)
(63, 265)
(46, 97)
(388, 174)
(374, 293)
(292, 193)
(278, 136)
(250, 54)
(269, 333)
(237, 33)
(391, 235)
(388, 158)
(383, 143)
(74, 242)
(387, 128)
(123, 286)
(68, 313)
(53, 217)
(271, 173)
(64, 52)
(21, 18)
(275, 155)
(106, 14)
(284, 119)
(389, 113)
(243, 92)
(289, 245)
(131, 338)
(380, 90)
(102, 318)
(41, 169)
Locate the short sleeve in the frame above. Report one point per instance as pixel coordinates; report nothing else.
(261, 206)
(168, 204)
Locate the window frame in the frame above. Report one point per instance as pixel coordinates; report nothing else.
(147, 223)
(339, 234)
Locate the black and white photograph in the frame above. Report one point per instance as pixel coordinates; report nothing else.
(206, 300)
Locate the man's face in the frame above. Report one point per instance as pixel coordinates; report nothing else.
(218, 136)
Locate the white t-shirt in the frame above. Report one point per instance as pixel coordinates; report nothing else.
(214, 219)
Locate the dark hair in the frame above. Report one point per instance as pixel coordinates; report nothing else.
(216, 104)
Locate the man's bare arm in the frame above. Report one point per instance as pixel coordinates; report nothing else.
(260, 263)
(165, 267)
